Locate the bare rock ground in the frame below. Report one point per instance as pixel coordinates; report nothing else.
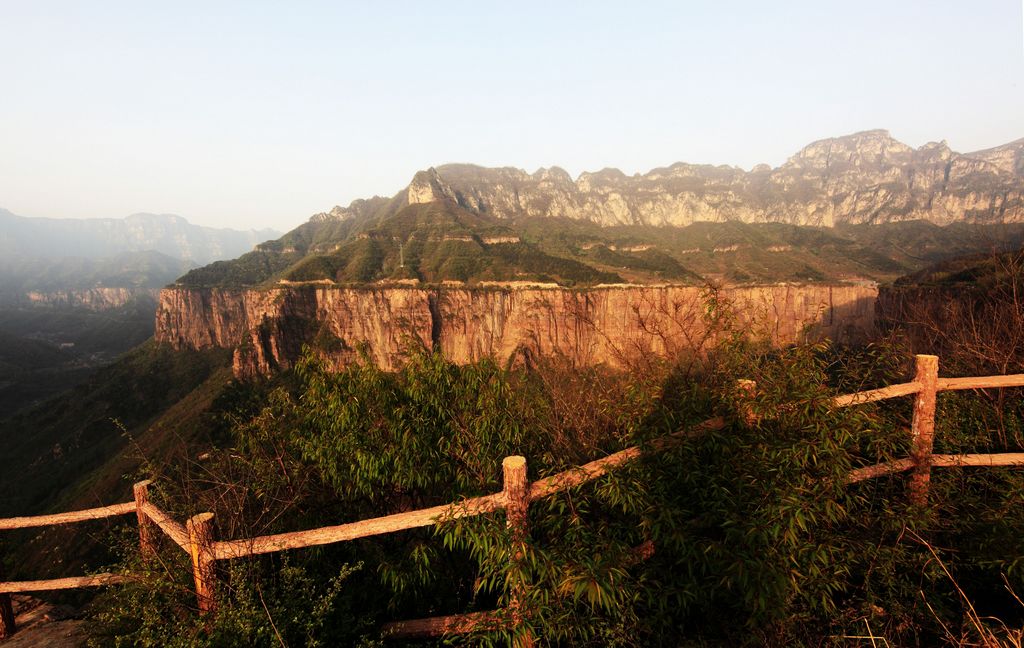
(44, 625)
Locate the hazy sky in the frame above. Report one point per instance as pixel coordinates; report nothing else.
(256, 114)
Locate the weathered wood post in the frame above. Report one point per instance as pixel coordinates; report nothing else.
(747, 391)
(147, 529)
(7, 620)
(7, 627)
(517, 504)
(200, 536)
(922, 429)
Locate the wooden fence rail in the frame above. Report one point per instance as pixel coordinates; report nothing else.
(362, 529)
(68, 518)
(198, 535)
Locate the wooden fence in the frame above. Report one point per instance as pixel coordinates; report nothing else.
(197, 536)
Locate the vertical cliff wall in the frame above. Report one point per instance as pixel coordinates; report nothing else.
(609, 325)
(95, 299)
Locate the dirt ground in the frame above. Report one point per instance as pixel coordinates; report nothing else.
(42, 625)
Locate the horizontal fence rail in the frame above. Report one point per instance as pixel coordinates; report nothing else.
(980, 382)
(1002, 459)
(197, 536)
(71, 582)
(440, 626)
(363, 529)
(882, 393)
(69, 517)
(879, 470)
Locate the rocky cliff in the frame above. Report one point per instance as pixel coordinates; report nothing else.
(867, 177)
(458, 229)
(94, 299)
(611, 325)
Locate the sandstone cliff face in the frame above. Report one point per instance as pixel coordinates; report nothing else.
(96, 299)
(614, 325)
(867, 177)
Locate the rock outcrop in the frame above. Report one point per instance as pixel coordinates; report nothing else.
(95, 299)
(611, 325)
(867, 177)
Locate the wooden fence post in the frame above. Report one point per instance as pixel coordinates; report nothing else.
(200, 537)
(922, 429)
(7, 620)
(7, 626)
(747, 391)
(517, 504)
(147, 529)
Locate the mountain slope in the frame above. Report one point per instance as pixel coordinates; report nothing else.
(437, 242)
(82, 449)
(47, 447)
(433, 242)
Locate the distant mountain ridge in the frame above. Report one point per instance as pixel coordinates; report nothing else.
(863, 178)
(147, 269)
(106, 237)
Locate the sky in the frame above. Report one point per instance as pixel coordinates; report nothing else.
(259, 114)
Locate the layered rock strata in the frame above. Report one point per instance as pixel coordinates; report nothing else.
(613, 325)
(866, 177)
(95, 299)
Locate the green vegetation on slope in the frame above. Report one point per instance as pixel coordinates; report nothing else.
(47, 448)
(758, 539)
(430, 242)
(442, 241)
(65, 346)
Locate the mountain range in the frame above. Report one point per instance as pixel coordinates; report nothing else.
(858, 207)
(105, 237)
(863, 178)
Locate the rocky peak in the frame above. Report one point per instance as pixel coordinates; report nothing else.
(359, 208)
(936, 150)
(1008, 158)
(337, 213)
(426, 187)
(866, 148)
(555, 176)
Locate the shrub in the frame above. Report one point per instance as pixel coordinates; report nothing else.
(757, 538)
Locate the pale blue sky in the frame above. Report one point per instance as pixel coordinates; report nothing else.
(255, 114)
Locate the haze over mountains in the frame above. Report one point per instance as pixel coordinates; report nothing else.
(104, 237)
(139, 253)
(75, 294)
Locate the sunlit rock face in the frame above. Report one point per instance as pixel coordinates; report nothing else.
(611, 326)
(95, 299)
(867, 177)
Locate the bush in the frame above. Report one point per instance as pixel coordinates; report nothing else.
(756, 536)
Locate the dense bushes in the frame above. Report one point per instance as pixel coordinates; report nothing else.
(757, 538)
